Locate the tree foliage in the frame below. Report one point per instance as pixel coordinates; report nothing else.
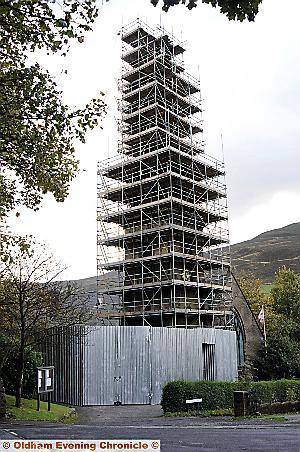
(286, 294)
(234, 9)
(252, 290)
(37, 24)
(38, 131)
(37, 135)
(282, 356)
(32, 360)
(281, 359)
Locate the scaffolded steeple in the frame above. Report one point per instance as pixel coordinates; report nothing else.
(163, 254)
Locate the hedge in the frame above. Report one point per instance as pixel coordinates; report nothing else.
(279, 407)
(219, 394)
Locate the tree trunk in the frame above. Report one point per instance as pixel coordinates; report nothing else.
(2, 400)
(19, 377)
(21, 351)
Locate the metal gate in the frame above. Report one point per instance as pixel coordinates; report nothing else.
(116, 366)
(132, 380)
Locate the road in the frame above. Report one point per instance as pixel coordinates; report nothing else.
(176, 434)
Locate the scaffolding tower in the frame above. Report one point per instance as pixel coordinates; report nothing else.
(163, 244)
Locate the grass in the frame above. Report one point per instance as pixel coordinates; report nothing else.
(202, 413)
(263, 417)
(27, 412)
(227, 412)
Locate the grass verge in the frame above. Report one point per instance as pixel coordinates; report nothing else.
(202, 413)
(263, 417)
(27, 412)
(228, 412)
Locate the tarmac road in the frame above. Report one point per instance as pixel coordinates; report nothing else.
(176, 434)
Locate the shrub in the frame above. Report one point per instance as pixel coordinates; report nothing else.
(219, 394)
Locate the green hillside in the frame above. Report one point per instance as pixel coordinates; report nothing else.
(267, 252)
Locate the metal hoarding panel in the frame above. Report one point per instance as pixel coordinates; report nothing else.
(99, 345)
(62, 349)
(175, 355)
(226, 356)
(102, 365)
(133, 364)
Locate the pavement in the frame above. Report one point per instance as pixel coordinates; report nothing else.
(176, 434)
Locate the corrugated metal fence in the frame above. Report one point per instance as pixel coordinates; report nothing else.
(103, 365)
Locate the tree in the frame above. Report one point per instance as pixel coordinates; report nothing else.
(286, 293)
(282, 357)
(252, 290)
(37, 130)
(37, 135)
(233, 9)
(27, 26)
(32, 302)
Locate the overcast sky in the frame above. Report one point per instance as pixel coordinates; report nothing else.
(250, 76)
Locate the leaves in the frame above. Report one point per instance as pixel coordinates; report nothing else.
(35, 24)
(37, 136)
(38, 132)
(252, 290)
(282, 358)
(286, 293)
(233, 9)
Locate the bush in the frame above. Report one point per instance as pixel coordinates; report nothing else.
(219, 394)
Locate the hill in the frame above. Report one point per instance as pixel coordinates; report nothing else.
(267, 252)
(262, 256)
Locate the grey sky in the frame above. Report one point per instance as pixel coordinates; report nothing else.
(250, 76)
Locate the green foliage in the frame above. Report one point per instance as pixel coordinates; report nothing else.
(233, 9)
(266, 288)
(38, 131)
(252, 290)
(215, 395)
(202, 413)
(36, 24)
(282, 315)
(218, 395)
(286, 293)
(8, 372)
(282, 359)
